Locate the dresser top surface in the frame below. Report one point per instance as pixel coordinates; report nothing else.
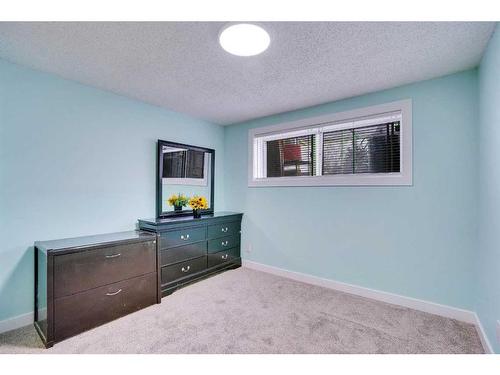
(184, 219)
(99, 239)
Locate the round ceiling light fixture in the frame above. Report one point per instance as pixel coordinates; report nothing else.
(244, 39)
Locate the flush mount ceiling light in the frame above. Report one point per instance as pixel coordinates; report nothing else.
(244, 39)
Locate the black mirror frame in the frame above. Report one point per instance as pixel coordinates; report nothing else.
(159, 168)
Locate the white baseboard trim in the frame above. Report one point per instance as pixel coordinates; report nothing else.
(482, 336)
(396, 299)
(16, 322)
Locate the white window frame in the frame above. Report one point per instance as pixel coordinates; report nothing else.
(311, 125)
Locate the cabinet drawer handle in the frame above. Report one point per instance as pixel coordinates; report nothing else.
(115, 293)
(225, 229)
(224, 243)
(184, 237)
(186, 269)
(113, 256)
(224, 256)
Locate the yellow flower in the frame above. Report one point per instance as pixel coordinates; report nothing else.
(177, 200)
(198, 203)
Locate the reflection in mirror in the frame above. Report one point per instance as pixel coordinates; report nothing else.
(184, 173)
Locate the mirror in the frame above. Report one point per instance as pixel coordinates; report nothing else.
(183, 172)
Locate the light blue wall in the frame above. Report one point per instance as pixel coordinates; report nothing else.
(75, 160)
(416, 241)
(488, 251)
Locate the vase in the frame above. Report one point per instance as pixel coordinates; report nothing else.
(177, 208)
(196, 214)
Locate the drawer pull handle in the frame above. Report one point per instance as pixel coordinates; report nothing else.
(113, 256)
(224, 256)
(115, 293)
(225, 229)
(184, 237)
(224, 243)
(186, 269)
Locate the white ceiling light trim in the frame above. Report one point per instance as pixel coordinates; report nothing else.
(244, 39)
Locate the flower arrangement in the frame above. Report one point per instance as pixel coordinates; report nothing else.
(198, 203)
(178, 201)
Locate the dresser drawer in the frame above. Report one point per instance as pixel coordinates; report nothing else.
(223, 256)
(182, 253)
(180, 270)
(85, 270)
(182, 237)
(82, 311)
(224, 229)
(223, 243)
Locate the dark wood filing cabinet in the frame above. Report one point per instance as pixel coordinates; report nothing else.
(84, 282)
(192, 249)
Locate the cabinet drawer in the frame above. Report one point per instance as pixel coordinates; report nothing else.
(182, 237)
(223, 243)
(182, 253)
(82, 311)
(85, 270)
(223, 256)
(224, 229)
(180, 270)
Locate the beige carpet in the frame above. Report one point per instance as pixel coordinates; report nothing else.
(246, 311)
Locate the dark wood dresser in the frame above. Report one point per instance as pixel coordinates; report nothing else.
(83, 282)
(192, 249)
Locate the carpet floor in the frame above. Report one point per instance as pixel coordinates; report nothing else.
(246, 311)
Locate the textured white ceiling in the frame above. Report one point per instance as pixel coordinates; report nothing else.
(180, 65)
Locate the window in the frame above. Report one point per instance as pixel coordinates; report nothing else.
(370, 149)
(183, 163)
(368, 146)
(184, 167)
(291, 157)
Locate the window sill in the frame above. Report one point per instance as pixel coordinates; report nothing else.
(386, 179)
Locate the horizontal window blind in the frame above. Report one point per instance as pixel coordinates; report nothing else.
(173, 164)
(294, 156)
(195, 163)
(367, 149)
